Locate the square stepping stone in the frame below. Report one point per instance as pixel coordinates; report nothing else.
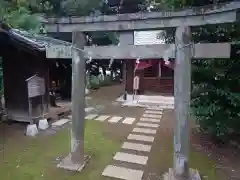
(153, 112)
(60, 122)
(88, 109)
(140, 137)
(147, 125)
(122, 173)
(101, 118)
(136, 146)
(156, 116)
(91, 116)
(128, 120)
(155, 108)
(131, 158)
(150, 120)
(115, 119)
(145, 130)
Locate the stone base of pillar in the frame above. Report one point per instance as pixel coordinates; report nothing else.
(67, 164)
(32, 130)
(43, 124)
(194, 175)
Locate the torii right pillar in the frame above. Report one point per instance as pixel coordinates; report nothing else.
(182, 93)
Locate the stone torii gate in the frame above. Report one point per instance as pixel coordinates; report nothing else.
(183, 50)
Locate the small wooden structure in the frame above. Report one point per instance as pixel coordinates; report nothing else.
(23, 58)
(26, 74)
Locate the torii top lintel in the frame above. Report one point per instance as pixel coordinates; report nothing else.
(225, 13)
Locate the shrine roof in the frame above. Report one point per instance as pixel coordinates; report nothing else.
(37, 42)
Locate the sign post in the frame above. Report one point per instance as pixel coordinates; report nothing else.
(135, 86)
(36, 87)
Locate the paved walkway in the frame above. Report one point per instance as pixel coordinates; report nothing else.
(96, 117)
(129, 163)
(111, 118)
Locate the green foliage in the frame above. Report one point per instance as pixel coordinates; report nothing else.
(95, 82)
(215, 82)
(215, 96)
(79, 8)
(18, 15)
(107, 81)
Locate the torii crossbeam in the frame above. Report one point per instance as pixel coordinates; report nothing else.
(156, 51)
(226, 13)
(205, 50)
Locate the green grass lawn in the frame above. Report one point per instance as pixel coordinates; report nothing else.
(28, 158)
(35, 158)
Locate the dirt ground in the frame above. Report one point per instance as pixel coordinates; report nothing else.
(227, 157)
(220, 163)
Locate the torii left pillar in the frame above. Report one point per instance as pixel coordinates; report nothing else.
(77, 160)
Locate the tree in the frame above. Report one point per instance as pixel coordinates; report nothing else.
(18, 15)
(80, 8)
(215, 82)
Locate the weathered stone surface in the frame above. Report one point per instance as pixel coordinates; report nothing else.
(151, 125)
(132, 158)
(194, 175)
(68, 164)
(122, 173)
(43, 124)
(141, 138)
(144, 21)
(145, 130)
(136, 146)
(115, 119)
(128, 120)
(182, 89)
(203, 50)
(86, 91)
(32, 130)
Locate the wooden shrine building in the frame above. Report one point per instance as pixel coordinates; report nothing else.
(25, 74)
(154, 75)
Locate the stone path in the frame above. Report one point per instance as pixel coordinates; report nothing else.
(133, 156)
(111, 119)
(96, 117)
(92, 115)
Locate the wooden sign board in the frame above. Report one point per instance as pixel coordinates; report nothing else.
(136, 83)
(36, 86)
(59, 51)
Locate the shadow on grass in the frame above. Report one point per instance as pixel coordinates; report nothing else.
(36, 158)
